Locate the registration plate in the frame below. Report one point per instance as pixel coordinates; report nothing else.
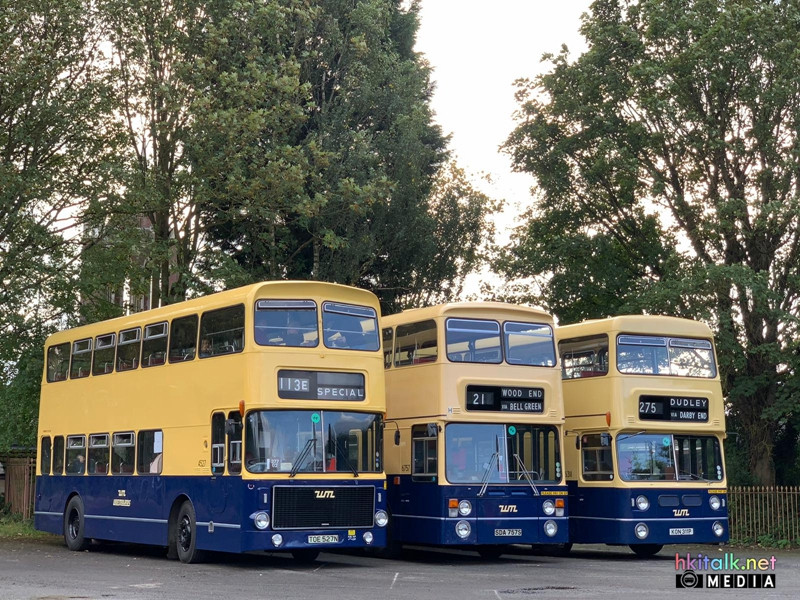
(507, 532)
(323, 539)
(682, 531)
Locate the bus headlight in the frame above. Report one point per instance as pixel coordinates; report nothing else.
(642, 503)
(368, 537)
(641, 531)
(381, 518)
(718, 529)
(277, 540)
(550, 528)
(714, 503)
(261, 520)
(548, 507)
(463, 529)
(464, 508)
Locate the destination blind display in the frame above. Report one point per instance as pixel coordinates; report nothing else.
(505, 398)
(673, 408)
(320, 385)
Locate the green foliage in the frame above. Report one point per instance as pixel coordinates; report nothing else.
(667, 163)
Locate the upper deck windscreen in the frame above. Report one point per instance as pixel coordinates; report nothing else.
(660, 355)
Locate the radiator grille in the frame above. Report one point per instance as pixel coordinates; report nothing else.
(322, 507)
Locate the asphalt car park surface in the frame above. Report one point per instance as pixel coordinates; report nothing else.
(43, 569)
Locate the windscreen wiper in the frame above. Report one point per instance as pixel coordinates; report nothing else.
(303, 454)
(488, 472)
(527, 474)
(346, 460)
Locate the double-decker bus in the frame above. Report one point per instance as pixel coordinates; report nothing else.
(473, 396)
(644, 403)
(245, 420)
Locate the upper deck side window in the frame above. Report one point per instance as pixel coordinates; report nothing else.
(286, 323)
(222, 331)
(529, 344)
(183, 339)
(662, 355)
(350, 326)
(415, 343)
(584, 357)
(58, 362)
(388, 343)
(154, 346)
(81, 359)
(130, 341)
(104, 349)
(473, 340)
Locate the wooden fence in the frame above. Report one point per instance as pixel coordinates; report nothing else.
(765, 514)
(20, 480)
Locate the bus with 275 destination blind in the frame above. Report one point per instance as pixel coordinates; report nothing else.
(245, 420)
(473, 400)
(645, 424)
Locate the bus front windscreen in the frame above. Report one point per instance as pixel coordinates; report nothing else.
(668, 457)
(313, 441)
(501, 453)
(350, 327)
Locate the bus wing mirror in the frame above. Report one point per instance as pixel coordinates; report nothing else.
(232, 427)
(577, 442)
(397, 438)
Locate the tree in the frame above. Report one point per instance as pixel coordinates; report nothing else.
(669, 181)
(57, 155)
(325, 154)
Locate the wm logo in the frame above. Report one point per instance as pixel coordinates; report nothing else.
(508, 508)
(321, 494)
(680, 512)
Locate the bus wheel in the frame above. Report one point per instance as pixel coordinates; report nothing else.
(646, 549)
(186, 541)
(305, 555)
(74, 523)
(490, 552)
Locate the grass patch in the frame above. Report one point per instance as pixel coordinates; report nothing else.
(14, 526)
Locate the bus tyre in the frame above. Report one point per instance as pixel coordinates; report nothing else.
(186, 539)
(646, 549)
(74, 523)
(305, 555)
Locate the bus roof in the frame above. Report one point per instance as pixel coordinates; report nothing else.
(643, 324)
(481, 310)
(246, 294)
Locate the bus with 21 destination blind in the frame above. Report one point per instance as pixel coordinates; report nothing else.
(473, 394)
(249, 419)
(645, 424)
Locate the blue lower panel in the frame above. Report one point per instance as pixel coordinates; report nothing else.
(608, 515)
(511, 514)
(138, 510)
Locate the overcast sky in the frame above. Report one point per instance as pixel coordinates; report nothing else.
(477, 48)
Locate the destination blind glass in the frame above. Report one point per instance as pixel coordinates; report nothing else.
(673, 408)
(320, 385)
(505, 398)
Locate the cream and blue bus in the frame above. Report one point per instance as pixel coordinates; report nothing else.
(245, 420)
(474, 405)
(645, 423)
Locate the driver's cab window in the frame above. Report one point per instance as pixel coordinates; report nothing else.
(596, 459)
(424, 452)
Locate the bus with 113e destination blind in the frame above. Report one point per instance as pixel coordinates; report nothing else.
(473, 393)
(644, 403)
(245, 420)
